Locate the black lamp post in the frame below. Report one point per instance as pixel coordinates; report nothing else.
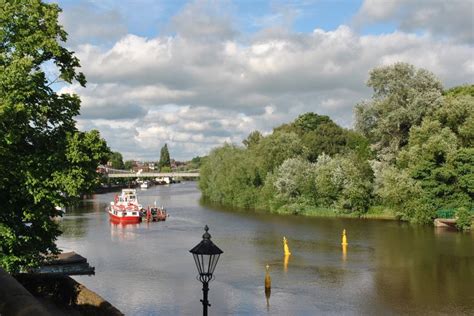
(206, 255)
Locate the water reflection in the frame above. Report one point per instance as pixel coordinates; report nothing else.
(73, 227)
(286, 260)
(268, 292)
(123, 231)
(393, 268)
(422, 269)
(344, 252)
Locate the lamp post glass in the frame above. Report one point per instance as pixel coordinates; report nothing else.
(206, 255)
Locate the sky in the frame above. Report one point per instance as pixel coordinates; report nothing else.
(197, 74)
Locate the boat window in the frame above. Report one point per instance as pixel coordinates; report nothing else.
(134, 213)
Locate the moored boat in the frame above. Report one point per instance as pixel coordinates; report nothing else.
(154, 214)
(125, 207)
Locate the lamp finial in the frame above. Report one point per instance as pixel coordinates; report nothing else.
(206, 235)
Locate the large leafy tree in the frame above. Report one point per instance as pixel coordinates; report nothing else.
(403, 96)
(45, 161)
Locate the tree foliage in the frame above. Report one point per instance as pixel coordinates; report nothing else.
(45, 161)
(428, 167)
(412, 152)
(128, 164)
(165, 160)
(403, 95)
(116, 159)
(278, 170)
(464, 219)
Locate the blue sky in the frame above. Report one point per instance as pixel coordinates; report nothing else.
(196, 74)
(150, 18)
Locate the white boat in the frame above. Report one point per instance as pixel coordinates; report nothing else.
(125, 207)
(144, 185)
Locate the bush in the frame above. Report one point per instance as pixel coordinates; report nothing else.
(463, 219)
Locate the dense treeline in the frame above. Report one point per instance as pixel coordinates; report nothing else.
(411, 154)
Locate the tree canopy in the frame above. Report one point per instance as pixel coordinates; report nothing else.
(46, 163)
(403, 95)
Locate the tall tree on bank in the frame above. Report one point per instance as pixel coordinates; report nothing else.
(116, 160)
(403, 96)
(165, 161)
(45, 161)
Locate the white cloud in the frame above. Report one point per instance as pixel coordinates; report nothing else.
(195, 91)
(84, 21)
(446, 19)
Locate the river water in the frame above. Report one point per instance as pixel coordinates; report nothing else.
(388, 268)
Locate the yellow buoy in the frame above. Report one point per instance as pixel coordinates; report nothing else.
(268, 280)
(286, 249)
(344, 238)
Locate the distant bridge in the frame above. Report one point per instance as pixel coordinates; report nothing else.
(117, 173)
(153, 174)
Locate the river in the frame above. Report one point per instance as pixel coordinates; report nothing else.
(389, 267)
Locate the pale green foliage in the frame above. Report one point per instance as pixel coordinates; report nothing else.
(340, 183)
(294, 178)
(457, 113)
(403, 96)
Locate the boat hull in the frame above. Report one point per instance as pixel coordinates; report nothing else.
(125, 219)
(127, 216)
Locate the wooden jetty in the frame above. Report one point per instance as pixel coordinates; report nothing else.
(67, 263)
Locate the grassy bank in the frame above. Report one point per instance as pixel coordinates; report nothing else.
(375, 212)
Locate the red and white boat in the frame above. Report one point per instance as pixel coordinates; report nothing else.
(125, 207)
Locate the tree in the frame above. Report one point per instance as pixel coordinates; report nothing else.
(253, 139)
(463, 219)
(165, 160)
(229, 176)
(461, 90)
(272, 150)
(44, 160)
(295, 179)
(319, 134)
(403, 96)
(117, 160)
(341, 183)
(128, 165)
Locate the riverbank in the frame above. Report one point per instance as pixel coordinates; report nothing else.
(65, 296)
(374, 212)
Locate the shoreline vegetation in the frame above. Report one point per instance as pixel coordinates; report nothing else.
(410, 157)
(375, 212)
